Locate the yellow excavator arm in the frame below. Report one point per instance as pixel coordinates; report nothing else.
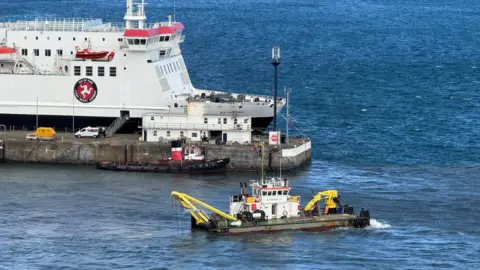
(328, 195)
(188, 203)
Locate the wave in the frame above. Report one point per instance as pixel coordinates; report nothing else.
(377, 225)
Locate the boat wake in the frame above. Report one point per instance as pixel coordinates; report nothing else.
(377, 225)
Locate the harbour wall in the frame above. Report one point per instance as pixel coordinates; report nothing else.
(89, 152)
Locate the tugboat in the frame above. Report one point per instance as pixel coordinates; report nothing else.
(184, 159)
(270, 208)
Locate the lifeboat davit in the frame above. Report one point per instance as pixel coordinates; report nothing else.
(7, 50)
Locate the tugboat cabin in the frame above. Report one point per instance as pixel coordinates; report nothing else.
(269, 198)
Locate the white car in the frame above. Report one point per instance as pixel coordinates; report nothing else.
(93, 132)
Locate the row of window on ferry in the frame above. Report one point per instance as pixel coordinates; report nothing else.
(48, 52)
(77, 71)
(143, 41)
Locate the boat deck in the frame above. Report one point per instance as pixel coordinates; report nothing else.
(292, 220)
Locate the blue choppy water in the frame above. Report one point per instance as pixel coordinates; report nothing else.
(387, 89)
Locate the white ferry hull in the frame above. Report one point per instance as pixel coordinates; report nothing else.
(47, 65)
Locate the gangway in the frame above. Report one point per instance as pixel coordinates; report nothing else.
(116, 125)
(188, 202)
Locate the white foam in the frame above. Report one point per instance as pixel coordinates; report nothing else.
(377, 225)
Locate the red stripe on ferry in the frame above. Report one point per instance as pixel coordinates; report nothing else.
(154, 31)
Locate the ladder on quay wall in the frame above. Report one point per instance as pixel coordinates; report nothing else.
(116, 125)
(3, 142)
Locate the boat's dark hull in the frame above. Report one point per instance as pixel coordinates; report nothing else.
(312, 223)
(66, 123)
(213, 166)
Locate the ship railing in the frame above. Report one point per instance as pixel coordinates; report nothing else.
(71, 25)
(63, 25)
(175, 126)
(246, 98)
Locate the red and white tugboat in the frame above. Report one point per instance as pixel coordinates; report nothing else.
(270, 207)
(186, 159)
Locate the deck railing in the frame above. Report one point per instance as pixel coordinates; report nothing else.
(176, 126)
(70, 25)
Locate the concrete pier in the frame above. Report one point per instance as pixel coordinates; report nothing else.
(86, 151)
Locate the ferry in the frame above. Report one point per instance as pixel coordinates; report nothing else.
(270, 207)
(81, 72)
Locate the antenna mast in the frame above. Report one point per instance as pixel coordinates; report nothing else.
(287, 94)
(174, 20)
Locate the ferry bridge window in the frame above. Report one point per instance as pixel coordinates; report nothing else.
(269, 193)
(224, 120)
(205, 120)
(76, 71)
(59, 52)
(24, 52)
(120, 39)
(130, 41)
(101, 71)
(279, 192)
(113, 71)
(143, 41)
(161, 39)
(48, 52)
(264, 193)
(36, 52)
(274, 192)
(167, 38)
(152, 118)
(136, 41)
(235, 121)
(194, 135)
(155, 133)
(285, 192)
(89, 71)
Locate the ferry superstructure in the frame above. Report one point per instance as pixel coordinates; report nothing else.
(85, 72)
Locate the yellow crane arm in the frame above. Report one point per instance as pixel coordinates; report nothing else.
(198, 215)
(187, 200)
(329, 195)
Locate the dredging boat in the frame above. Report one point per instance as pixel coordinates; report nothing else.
(269, 208)
(184, 159)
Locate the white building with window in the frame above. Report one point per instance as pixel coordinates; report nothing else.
(196, 125)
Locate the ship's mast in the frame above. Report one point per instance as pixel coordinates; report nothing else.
(135, 17)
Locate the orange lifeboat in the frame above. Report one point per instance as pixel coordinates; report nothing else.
(88, 54)
(94, 55)
(7, 50)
